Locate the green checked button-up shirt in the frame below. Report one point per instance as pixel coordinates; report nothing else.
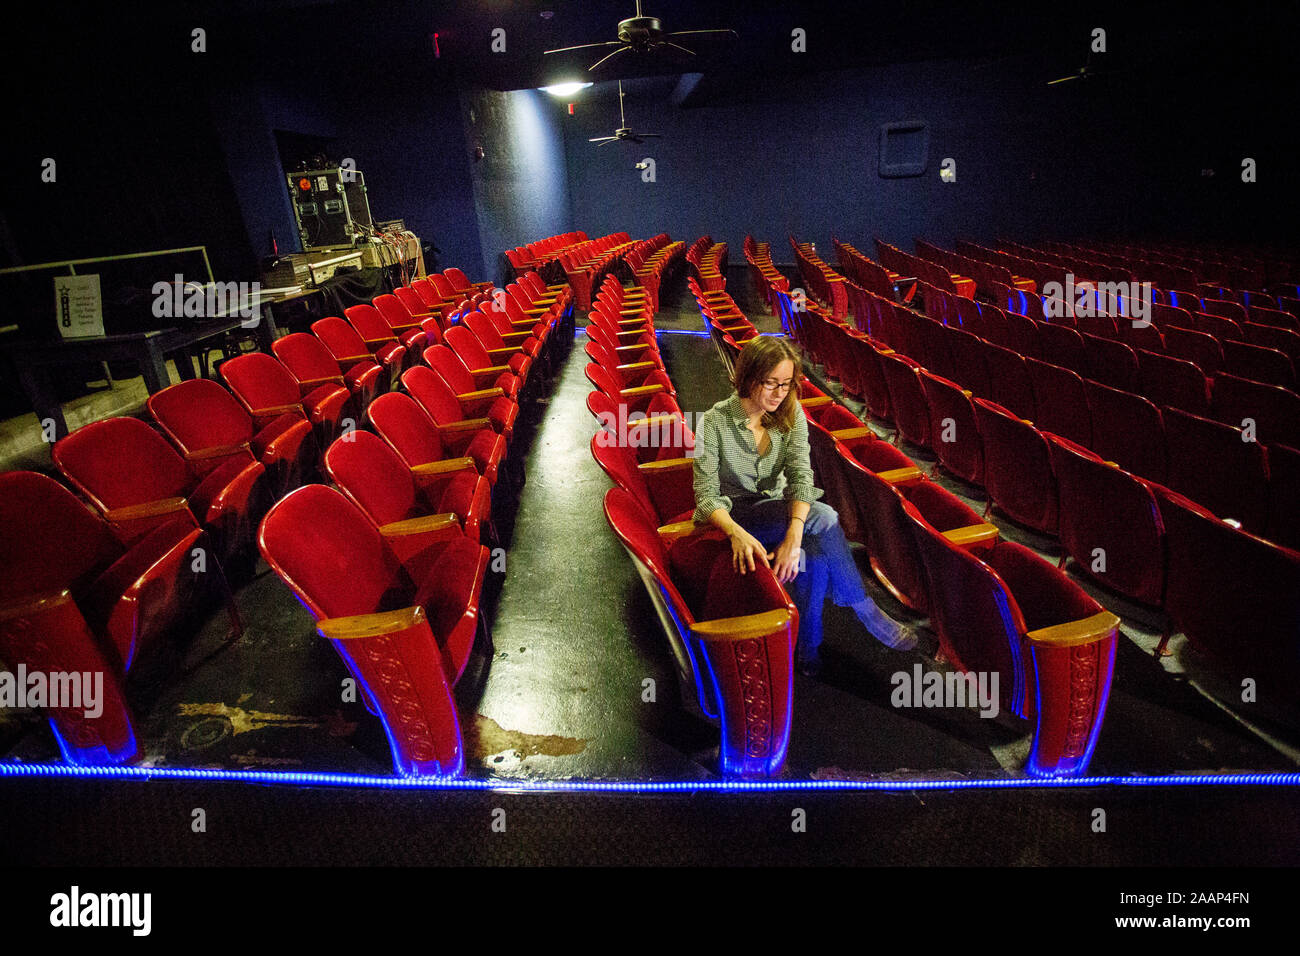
(728, 466)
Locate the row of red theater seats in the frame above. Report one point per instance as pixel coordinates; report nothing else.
(822, 281)
(1174, 269)
(168, 516)
(1151, 540)
(987, 277)
(913, 267)
(763, 274)
(1169, 448)
(1221, 319)
(1156, 362)
(726, 324)
(536, 255)
(858, 267)
(1053, 646)
(708, 262)
(391, 560)
(732, 635)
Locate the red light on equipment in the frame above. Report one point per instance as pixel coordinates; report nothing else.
(570, 109)
(304, 184)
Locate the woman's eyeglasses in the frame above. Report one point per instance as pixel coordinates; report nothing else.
(777, 386)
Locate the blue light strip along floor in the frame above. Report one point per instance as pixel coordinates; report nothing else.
(318, 779)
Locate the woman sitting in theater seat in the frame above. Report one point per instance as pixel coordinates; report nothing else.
(754, 481)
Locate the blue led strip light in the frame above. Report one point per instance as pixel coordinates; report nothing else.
(320, 779)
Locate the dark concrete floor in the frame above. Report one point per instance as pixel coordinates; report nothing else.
(574, 637)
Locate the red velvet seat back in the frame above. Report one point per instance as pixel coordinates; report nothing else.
(340, 338)
(199, 414)
(306, 357)
(49, 541)
(372, 475)
(1109, 523)
(954, 433)
(403, 424)
(1018, 467)
(260, 381)
(122, 461)
(332, 556)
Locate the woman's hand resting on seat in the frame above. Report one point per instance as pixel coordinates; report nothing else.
(746, 550)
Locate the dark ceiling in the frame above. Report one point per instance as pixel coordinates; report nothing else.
(305, 39)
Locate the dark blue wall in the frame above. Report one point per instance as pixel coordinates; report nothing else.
(521, 185)
(801, 156)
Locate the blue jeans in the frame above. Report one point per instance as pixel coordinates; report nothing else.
(829, 568)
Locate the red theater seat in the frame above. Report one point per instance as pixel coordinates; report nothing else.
(268, 390)
(1018, 467)
(1215, 597)
(74, 600)
(415, 507)
(953, 429)
(399, 420)
(733, 635)
(458, 426)
(210, 428)
(1211, 464)
(1053, 647)
(1128, 430)
(1109, 523)
(311, 363)
(138, 482)
(1274, 411)
(406, 640)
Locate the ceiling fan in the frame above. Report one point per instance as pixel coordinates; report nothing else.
(624, 133)
(642, 34)
(1085, 72)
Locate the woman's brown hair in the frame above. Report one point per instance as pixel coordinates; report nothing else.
(757, 360)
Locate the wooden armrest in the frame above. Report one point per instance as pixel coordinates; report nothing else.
(636, 345)
(149, 509)
(280, 409)
(217, 451)
(541, 310)
(370, 343)
(1083, 631)
(508, 350)
(816, 402)
(742, 628)
(666, 464)
(422, 524)
(678, 529)
(633, 366)
(641, 390)
(652, 421)
(897, 476)
(497, 392)
(491, 369)
(407, 327)
(370, 625)
(466, 425)
(327, 380)
(848, 434)
(443, 467)
(520, 336)
(972, 534)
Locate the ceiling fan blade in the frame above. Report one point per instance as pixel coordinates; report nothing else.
(584, 46)
(678, 46)
(621, 49)
(600, 139)
(608, 140)
(1066, 79)
(684, 33)
(650, 135)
